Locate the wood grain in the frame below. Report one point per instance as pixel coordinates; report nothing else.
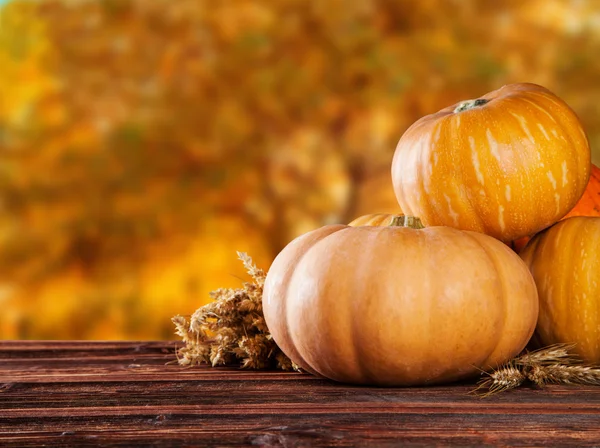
(126, 394)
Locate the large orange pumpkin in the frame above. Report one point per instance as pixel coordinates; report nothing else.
(398, 306)
(588, 205)
(507, 164)
(565, 263)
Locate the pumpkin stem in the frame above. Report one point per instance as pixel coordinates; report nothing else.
(406, 221)
(470, 104)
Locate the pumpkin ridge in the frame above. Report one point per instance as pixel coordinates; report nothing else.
(431, 261)
(452, 186)
(586, 233)
(581, 181)
(568, 135)
(519, 153)
(497, 269)
(412, 129)
(300, 360)
(561, 306)
(429, 210)
(472, 203)
(478, 206)
(320, 241)
(365, 372)
(574, 250)
(570, 143)
(424, 154)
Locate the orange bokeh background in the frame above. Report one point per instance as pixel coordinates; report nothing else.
(144, 142)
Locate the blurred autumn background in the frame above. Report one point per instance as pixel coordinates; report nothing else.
(143, 142)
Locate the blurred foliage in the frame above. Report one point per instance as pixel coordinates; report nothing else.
(143, 142)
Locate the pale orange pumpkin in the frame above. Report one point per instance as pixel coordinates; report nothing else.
(507, 164)
(565, 263)
(397, 306)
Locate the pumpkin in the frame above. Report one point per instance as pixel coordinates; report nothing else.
(487, 164)
(398, 306)
(374, 219)
(565, 263)
(588, 205)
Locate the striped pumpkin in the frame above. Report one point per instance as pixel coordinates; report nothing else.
(565, 263)
(508, 164)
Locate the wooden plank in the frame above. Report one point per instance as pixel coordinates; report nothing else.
(126, 394)
(53, 349)
(305, 409)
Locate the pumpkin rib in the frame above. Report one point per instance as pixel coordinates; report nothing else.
(459, 177)
(460, 173)
(469, 173)
(541, 249)
(500, 266)
(497, 267)
(551, 117)
(474, 203)
(300, 360)
(563, 280)
(582, 179)
(525, 149)
(366, 368)
(362, 309)
(325, 328)
(290, 349)
(295, 353)
(565, 265)
(356, 335)
(430, 209)
(519, 154)
(573, 254)
(322, 241)
(416, 126)
(426, 279)
(425, 155)
(571, 143)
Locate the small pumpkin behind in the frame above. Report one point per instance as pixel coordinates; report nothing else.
(589, 204)
(565, 263)
(397, 306)
(386, 220)
(374, 219)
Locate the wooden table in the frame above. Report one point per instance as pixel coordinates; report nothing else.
(124, 393)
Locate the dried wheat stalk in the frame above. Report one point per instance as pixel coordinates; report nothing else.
(231, 329)
(553, 364)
